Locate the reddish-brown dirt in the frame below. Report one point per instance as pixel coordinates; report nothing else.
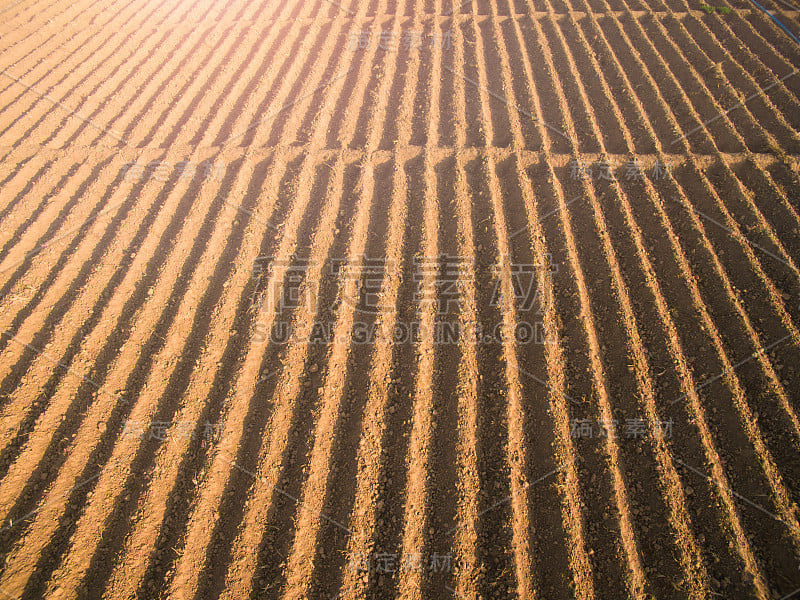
(399, 299)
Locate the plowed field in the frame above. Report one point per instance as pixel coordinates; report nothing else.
(399, 299)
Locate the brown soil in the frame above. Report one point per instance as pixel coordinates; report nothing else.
(168, 431)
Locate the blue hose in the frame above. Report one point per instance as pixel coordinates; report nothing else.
(774, 18)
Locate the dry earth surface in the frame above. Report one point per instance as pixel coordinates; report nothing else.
(399, 299)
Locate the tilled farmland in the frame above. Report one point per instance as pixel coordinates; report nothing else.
(392, 299)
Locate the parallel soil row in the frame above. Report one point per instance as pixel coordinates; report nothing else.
(514, 314)
(148, 88)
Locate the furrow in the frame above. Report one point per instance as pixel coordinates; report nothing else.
(162, 79)
(26, 173)
(189, 81)
(691, 560)
(781, 218)
(92, 439)
(311, 82)
(62, 214)
(14, 54)
(216, 123)
(751, 124)
(535, 359)
(415, 517)
(466, 538)
(67, 297)
(776, 302)
(185, 577)
(42, 114)
(342, 375)
(515, 416)
(556, 368)
(309, 512)
(376, 428)
(765, 38)
(195, 89)
(219, 473)
(773, 108)
(722, 129)
(153, 507)
(463, 535)
(70, 137)
(197, 96)
(315, 496)
(636, 578)
(34, 182)
(747, 555)
(416, 535)
(518, 439)
(129, 454)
